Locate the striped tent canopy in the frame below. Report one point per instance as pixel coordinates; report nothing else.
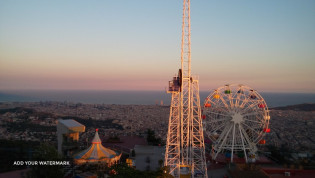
(97, 153)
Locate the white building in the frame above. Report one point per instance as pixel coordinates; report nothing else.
(68, 134)
(148, 157)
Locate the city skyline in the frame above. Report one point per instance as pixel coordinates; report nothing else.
(135, 45)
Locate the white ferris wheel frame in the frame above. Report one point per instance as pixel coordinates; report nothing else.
(236, 118)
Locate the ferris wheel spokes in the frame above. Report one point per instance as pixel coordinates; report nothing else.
(225, 134)
(236, 119)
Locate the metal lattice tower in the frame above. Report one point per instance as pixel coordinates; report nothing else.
(185, 148)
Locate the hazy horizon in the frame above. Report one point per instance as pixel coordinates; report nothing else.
(47, 90)
(135, 97)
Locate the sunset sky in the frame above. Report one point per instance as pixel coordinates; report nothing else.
(135, 44)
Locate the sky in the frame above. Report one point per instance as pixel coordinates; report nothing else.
(135, 45)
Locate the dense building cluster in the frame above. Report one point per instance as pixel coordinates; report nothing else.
(292, 129)
(37, 122)
(118, 120)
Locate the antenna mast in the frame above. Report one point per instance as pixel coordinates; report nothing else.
(185, 149)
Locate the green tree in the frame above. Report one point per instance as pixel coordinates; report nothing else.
(46, 152)
(165, 172)
(123, 170)
(133, 153)
(151, 139)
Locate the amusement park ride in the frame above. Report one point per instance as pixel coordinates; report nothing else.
(185, 149)
(236, 118)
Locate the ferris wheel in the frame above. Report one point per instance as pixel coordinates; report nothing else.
(235, 118)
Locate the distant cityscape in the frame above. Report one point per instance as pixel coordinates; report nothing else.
(294, 129)
(123, 119)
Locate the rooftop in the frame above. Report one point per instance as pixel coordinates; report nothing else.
(72, 125)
